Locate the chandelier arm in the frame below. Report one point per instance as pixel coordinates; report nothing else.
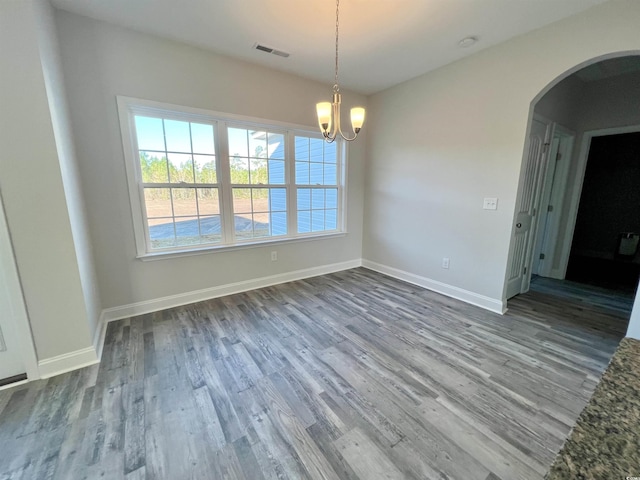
(347, 138)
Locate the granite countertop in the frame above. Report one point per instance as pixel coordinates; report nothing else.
(605, 442)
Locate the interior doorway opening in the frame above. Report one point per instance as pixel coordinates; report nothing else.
(593, 101)
(604, 250)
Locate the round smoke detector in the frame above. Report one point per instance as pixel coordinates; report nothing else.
(467, 42)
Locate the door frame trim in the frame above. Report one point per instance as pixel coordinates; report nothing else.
(21, 321)
(577, 184)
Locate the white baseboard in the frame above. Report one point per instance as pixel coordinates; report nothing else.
(67, 362)
(98, 338)
(141, 308)
(488, 303)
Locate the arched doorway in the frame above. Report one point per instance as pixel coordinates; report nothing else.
(592, 97)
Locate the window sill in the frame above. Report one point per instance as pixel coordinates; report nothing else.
(149, 257)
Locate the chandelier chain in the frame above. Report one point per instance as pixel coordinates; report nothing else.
(336, 88)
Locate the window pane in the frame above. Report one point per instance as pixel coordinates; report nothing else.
(243, 218)
(202, 138)
(330, 174)
(304, 222)
(261, 225)
(180, 168)
(258, 171)
(242, 200)
(238, 146)
(278, 223)
(243, 225)
(260, 197)
(158, 202)
(162, 232)
(258, 144)
(178, 136)
(330, 153)
(316, 149)
(276, 146)
(302, 148)
(304, 199)
(276, 172)
(316, 174)
(317, 220)
(317, 198)
(302, 173)
(208, 201)
(187, 231)
(153, 167)
(331, 219)
(331, 196)
(205, 168)
(150, 133)
(211, 229)
(239, 170)
(184, 201)
(278, 199)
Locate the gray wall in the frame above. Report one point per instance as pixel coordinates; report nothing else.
(34, 164)
(101, 61)
(440, 143)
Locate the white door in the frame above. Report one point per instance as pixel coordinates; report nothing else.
(12, 361)
(547, 210)
(523, 232)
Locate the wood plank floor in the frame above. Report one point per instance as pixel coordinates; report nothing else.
(590, 296)
(352, 375)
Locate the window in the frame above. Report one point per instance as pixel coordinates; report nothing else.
(317, 170)
(179, 179)
(257, 170)
(200, 180)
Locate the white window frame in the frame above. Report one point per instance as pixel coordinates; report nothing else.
(128, 107)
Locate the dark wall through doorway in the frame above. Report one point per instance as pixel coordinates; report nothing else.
(604, 251)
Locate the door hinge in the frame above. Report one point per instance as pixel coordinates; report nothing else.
(525, 270)
(550, 208)
(534, 213)
(558, 157)
(545, 147)
(542, 256)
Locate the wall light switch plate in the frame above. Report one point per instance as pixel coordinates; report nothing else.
(490, 204)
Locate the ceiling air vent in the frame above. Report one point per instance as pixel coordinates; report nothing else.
(273, 51)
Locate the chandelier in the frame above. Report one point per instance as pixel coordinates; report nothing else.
(329, 112)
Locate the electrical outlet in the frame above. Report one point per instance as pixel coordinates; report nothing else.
(274, 256)
(445, 262)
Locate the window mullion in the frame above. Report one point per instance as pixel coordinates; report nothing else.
(290, 182)
(224, 179)
(195, 189)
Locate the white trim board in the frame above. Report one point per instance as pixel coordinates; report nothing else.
(67, 362)
(171, 301)
(488, 303)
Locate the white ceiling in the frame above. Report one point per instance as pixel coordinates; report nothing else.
(382, 42)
